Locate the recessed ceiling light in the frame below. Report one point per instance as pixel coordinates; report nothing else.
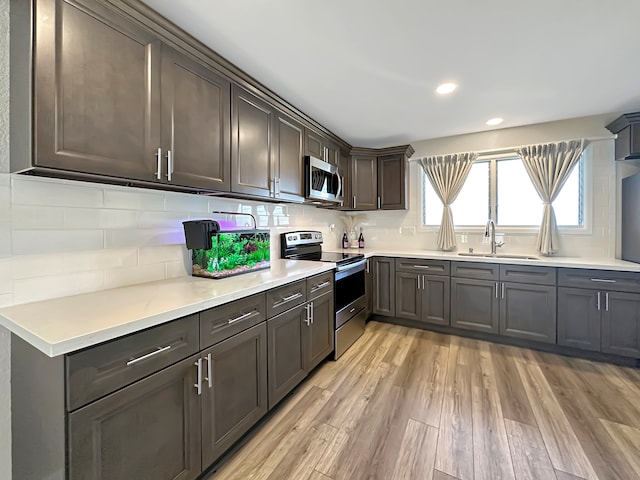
(495, 121)
(446, 88)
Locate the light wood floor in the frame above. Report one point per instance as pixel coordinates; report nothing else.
(409, 404)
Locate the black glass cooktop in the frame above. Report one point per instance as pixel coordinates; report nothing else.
(340, 257)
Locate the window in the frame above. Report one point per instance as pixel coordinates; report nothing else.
(500, 188)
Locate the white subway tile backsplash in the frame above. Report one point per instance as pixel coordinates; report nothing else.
(142, 237)
(119, 277)
(169, 220)
(5, 275)
(30, 242)
(185, 202)
(37, 217)
(99, 218)
(164, 253)
(6, 300)
(43, 288)
(5, 240)
(133, 199)
(177, 269)
(52, 192)
(29, 266)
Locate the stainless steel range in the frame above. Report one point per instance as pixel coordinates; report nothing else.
(349, 285)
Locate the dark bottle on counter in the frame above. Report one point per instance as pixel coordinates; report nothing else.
(345, 240)
(361, 239)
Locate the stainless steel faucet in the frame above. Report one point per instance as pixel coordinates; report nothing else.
(490, 231)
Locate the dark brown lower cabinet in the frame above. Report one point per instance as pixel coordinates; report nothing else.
(319, 335)
(368, 287)
(475, 304)
(234, 390)
(424, 298)
(286, 352)
(384, 302)
(528, 311)
(578, 318)
(148, 430)
(620, 323)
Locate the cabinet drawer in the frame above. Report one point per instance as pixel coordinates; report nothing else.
(419, 265)
(599, 279)
(319, 285)
(103, 369)
(481, 271)
(528, 274)
(219, 323)
(288, 296)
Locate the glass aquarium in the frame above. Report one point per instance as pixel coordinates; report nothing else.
(232, 253)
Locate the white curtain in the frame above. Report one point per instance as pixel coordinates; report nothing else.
(447, 174)
(549, 167)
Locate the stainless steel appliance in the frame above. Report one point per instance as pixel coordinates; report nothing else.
(323, 182)
(349, 299)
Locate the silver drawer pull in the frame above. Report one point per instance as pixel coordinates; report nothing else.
(133, 361)
(602, 280)
(352, 310)
(198, 385)
(425, 267)
(321, 285)
(209, 377)
(231, 321)
(290, 297)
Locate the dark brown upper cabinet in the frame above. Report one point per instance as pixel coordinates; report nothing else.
(379, 179)
(266, 149)
(111, 101)
(627, 127)
(319, 146)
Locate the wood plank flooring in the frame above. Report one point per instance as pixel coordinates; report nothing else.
(409, 404)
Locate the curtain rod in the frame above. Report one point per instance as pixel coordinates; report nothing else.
(505, 150)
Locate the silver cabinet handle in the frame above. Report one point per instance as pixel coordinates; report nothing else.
(379, 203)
(291, 297)
(209, 378)
(169, 164)
(319, 286)
(606, 301)
(277, 187)
(602, 280)
(598, 300)
(231, 321)
(496, 289)
(198, 385)
(367, 266)
(133, 361)
(354, 201)
(311, 310)
(307, 320)
(423, 267)
(502, 291)
(272, 187)
(418, 282)
(159, 166)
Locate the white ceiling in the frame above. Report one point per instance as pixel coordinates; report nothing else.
(367, 69)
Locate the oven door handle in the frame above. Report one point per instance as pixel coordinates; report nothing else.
(350, 266)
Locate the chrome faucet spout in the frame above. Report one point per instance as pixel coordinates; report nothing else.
(490, 232)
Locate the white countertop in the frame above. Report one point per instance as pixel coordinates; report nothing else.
(541, 261)
(67, 324)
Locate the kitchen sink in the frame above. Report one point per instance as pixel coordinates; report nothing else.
(498, 255)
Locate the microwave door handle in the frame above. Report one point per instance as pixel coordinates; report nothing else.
(339, 185)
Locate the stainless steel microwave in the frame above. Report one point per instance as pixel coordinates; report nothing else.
(323, 182)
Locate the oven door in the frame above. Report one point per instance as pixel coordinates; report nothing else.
(349, 291)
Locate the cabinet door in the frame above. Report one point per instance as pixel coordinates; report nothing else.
(392, 184)
(364, 183)
(287, 351)
(289, 159)
(235, 397)
(319, 335)
(148, 430)
(333, 152)
(474, 304)
(578, 318)
(313, 144)
(436, 297)
(621, 323)
(195, 123)
(252, 123)
(408, 296)
(528, 311)
(384, 286)
(368, 287)
(96, 92)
